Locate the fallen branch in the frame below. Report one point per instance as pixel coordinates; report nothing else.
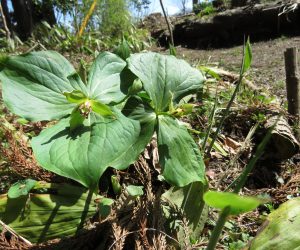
(233, 77)
(284, 142)
(9, 229)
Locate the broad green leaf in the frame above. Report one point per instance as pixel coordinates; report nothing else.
(137, 109)
(33, 85)
(101, 108)
(76, 96)
(76, 119)
(189, 200)
(21, 188)
(123, 50)
(281, 229)
(56, 213)
(144, 96)
(105, 207)
(247, 56)
(104, 81)
(85, 153)
(238, 204)
(164, 77)
(135, 191)
(75, 81)
(127, 79)
(133, 150)
(179, 155)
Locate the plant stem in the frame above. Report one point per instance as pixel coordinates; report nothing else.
(225, 114)
(214, 238)
(211, 119)
(168, 23)
(228, 105)
(241, 180)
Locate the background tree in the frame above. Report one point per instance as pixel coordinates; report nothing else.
(140, 6)
(22, 15)
(44, 11)
(6, 14)
(27, 13)
(195, 2)
(110, 18)
(182, 6)
(113, 17)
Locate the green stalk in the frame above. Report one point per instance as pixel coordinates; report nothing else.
(241, 180)
(211, 119)
(246, 62)
(225, 114)
(214, 238)
(228, 105)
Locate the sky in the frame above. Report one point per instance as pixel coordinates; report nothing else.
(172, 6)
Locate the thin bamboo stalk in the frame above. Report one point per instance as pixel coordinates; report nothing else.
(87, 18)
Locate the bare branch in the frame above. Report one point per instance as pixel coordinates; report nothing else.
(4, 22)
(168, 22)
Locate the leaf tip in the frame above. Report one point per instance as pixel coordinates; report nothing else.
(3, 60)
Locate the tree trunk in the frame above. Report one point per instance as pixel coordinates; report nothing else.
(195, 2)
(49, 14)
(44, 12)
(23, 17)
(7, 15)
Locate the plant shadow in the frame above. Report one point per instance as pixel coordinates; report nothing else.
(38, 215)
(75, 133)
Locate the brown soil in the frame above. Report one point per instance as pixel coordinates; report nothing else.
(267, 70)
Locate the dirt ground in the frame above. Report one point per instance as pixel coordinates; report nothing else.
(267, 70)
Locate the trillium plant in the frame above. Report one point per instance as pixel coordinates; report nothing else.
(107, 121)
